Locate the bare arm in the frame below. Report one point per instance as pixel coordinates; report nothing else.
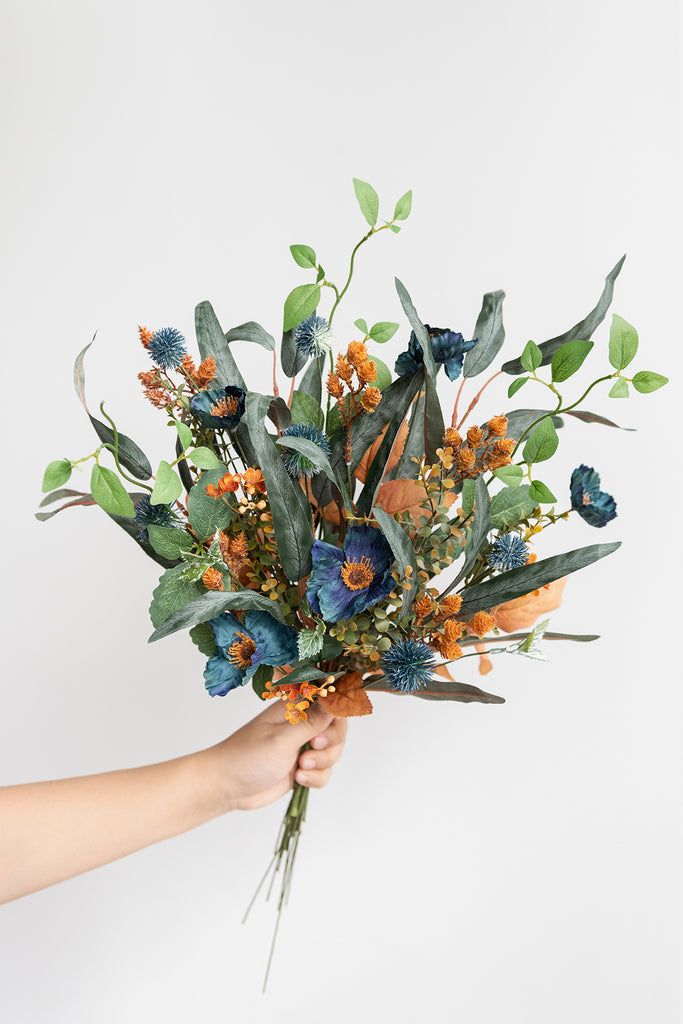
(50, 831)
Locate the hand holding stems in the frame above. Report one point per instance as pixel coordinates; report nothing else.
(51, 831)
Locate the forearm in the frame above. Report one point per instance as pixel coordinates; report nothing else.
(50, 831)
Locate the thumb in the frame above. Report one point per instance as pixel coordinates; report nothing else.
(317, 721)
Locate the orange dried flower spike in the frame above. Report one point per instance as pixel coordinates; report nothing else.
(213, 579)
(145, 335)
(371, 398)
(481, 623)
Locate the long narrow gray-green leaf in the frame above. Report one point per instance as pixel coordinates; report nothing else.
(519, 582)
(418, 327)
(210, 604)
(402, 550)
(317, 456)
(211, 340)
(253, 332)
(481, 524)
(441, 689)
(583, 329)
(490, 335)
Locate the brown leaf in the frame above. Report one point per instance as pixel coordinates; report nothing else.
(407, 496)
(523, 612)
(396, 451)
(349, 699)
(485, 663)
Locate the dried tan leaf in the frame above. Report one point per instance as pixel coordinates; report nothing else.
(523, 612)
(349, 699)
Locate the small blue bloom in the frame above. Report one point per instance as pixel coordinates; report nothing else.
(448, 347)
(262, 640)
(167, 348)
(296, 463)
(595, 506)
(313, 336)
(345, 581)
(408, 665)
(147, 514)
(221, 409)
(508, 552)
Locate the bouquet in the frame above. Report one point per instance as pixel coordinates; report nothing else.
(354, 537)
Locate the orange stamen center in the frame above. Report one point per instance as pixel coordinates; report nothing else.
(358, 575)
(241, 650)
(224, 407)
(586, 500)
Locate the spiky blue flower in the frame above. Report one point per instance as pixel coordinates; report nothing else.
(595, 506)
(167, 348)
(448, 348)
(408, 665)
(147, 514)
(313, 336)
(508, 552)
(296, 463)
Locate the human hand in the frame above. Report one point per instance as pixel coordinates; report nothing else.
(262, 760)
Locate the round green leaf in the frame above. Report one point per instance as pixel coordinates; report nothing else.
(56, 474)
(646, 381)
(540, 493)
(304, 256)
(531, 357)
(109, 492)
(623, 342)
(619, 389)
(184, 433)
(382, 374)
(361, 325)
(542, 443)
(167, 486)
(383, 331)
(204, 458)
(510, 475)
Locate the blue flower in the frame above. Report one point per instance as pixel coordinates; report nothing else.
(313, 336)
(147, 514)
(508, 552)
(448, 347)
(296, 463)
(408, 665)
(595, 506)
(344, 582)
(262, 640)
(221, 409)
(167, 348)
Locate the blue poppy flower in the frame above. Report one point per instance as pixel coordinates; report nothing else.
(313, 336)
(221, 409)
(448, 347)
(508, 552)
(345, 581)
(262, 640)
(408, 665)
(296, 463)
(167, 348)
(595, 506)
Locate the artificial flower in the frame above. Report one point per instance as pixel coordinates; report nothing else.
(345, 581)
(508, 552)
(167, 348)
(595, 506)
(261, 640)
(408, 665)
(295, 462)
(221, 409)
(147, 514)
(448, 348)
(313, 336)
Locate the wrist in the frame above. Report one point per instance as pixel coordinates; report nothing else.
(210, 780)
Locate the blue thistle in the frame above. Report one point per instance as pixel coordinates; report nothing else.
(147, 514)
(313, 336)
(296, 463)
(408, 665)
(167, 348)
(508, 552)
(596, 507)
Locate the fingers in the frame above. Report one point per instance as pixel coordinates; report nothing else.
(334, 734)
(315, 759)
(315, 779)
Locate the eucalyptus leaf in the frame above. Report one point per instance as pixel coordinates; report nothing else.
(56, 473)
(382, 331)
(541, 494)
(418, 327)
(304, 256)
(208, 604)
(109, 492)
(542, 442)
(205, 458)
(646, 381)
(490, 335)
(519, 582)
(167, 486)
(594, 417)
(211, 340)
(300, 304)
(252, 332)
(403, 551)
(403, 206)
(368, 200)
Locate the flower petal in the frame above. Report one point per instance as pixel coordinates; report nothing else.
(220, 676)
(275, 642)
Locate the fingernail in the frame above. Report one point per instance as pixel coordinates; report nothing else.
(307, 762)
(320, 742)
(301, 778)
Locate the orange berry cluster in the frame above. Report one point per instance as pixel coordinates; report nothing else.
(445, 630)
(360, 392)
(298, 697)
(482, 449)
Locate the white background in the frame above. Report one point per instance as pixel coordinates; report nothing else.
(481, 864)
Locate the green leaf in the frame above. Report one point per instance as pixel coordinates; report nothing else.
(382, 378)
(394, 227)
(306, 410)
(56, 474)
(402, 550)
(317, 456)
(304, 256)
(646, 381)
(583, 329)
(396, 400)
(204, 458)
(510, 475)
(510, 506)
(383, 331)
(207, 604)
(441, 689)
(542, 442)
(212, 341)
(252, 332)
(520, 420)
(569, 358)
(299, 304)
(109, 492)
(302, 673)
(184, 433)
(467, 496)
(490, 335)
(619, 389)
(262, 676)
(516, 385)
(202, 636)
(368, 200)
(541, 494)
(479, 528)
(207, 514)
(623, 342)
(593, 417)
(169, 541)
(131, 457)
(361, 325)
(172, 594)
(404, 206)
(417, 325)
(519, 582)
(311, 382)
(289, 505)
(167, 486)
(310, 643)
(531, 357)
